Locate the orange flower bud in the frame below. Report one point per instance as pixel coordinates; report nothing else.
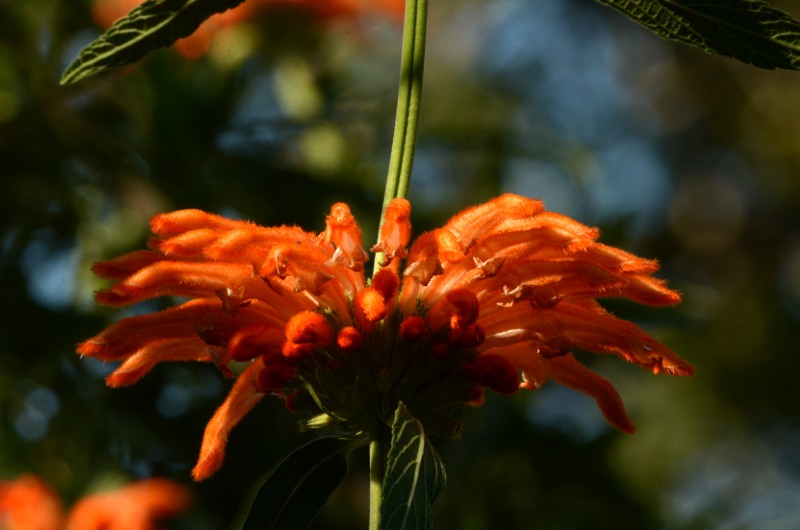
(370, 308)
(309, 327)
(413, 328)
(349, 339)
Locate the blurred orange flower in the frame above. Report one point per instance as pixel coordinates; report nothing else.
(137, 506)
(28, 503)
(196, 45)
(497, 298)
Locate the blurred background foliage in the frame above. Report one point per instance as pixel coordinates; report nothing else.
(677, 155)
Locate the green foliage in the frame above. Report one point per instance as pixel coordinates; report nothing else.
(415, 476)
(153, 24)
(296, 490)
(749, 30)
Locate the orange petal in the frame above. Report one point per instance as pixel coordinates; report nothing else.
(139, 364)
(546, 233)
(495, 372)
(566, 370)
(242, 398)
(386, 283)
(472, 223)
(125, 265)
(188, 244)
(180, 221)
(457, 309)
(589, 327)
(127, 336)
(567, 278)
(449, 246)
(255, 340)
(342, 231)
(250, 243)
(395, 231)
(370, 307)
(569, 372)
(423, 258)
(189, 279)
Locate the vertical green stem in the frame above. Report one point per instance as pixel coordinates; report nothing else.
(378, 449)
(398, 177)
(408, 102)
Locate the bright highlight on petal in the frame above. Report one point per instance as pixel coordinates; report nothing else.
(496, 298)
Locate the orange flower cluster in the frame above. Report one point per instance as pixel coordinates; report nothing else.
(496, 298)
(196, 45)
(28, 503)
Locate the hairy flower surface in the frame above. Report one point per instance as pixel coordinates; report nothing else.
(496, 298)
(106, 12)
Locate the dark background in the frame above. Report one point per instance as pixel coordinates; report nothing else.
(676, 155)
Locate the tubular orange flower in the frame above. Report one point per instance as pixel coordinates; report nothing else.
(497, 298)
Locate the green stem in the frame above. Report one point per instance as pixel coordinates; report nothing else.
(377, 469)
(409, 95)
(398, 177)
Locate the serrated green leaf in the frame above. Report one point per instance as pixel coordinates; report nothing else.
(297, 489)
(415, 476)
(749, 30)
(153, 24)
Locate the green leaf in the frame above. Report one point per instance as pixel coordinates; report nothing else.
(153, 24)
(415, 476)
(749, 30)
(295, 491)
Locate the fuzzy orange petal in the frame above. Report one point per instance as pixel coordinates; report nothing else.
(474, 222)
(128, 335)
(189, 244)
(244, 395)
(139, 364)
(395, 232)
(125, 265)
(180, 221)
(567, 371)
(587, 326)
(189, 279)
(570, 373)
(576, 278)
(251, 243)
(342, 231)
